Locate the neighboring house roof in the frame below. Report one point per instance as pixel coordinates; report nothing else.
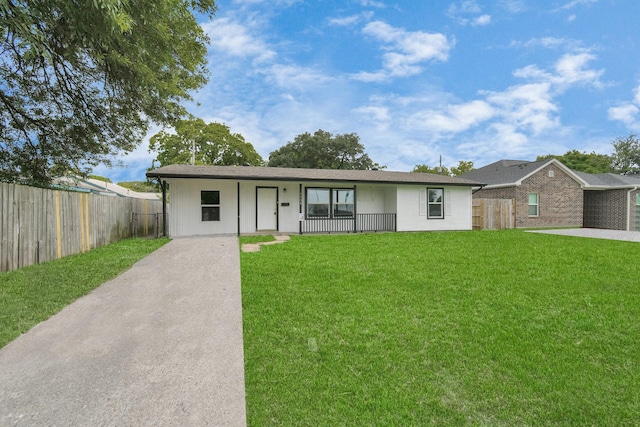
(609, 180)
(509, 173)
(91, 185)
(299, 174)
(504, 172)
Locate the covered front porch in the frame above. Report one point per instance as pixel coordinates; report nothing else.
(348, 209)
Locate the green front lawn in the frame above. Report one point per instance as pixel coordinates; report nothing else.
(466, 328)
(33, 294)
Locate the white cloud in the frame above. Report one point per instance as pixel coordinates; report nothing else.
(513, 6)
(551, 43)
(481, 20)
(628, 112)
(575, 3)
(464, 12)
(378, 115)
(571, 69)
(636, 95)
(348, 21)
(405, 50)
(236, 40)
(296, 77)
(527, 107)
(454, 118)
(372, 3)
(468, 6)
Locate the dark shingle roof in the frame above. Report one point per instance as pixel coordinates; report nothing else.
(504, 172)
(510, 172)
(609, 179)
(295, 174)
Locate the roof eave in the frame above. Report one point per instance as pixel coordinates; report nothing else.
(151, 174)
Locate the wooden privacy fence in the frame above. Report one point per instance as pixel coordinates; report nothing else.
(40, 225)
(493, 214)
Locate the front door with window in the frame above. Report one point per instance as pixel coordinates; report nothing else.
(267, 208)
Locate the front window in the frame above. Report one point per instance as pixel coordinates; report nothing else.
(435, 207)
(318, 201)
(210, 205)
(330, 202)
(343, 202)
(534, 204)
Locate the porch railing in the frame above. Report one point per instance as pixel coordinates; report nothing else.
(350, 224)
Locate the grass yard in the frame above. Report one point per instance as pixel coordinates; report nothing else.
(33, 294)
(459, 328)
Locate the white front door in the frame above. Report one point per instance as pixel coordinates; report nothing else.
(267, 211)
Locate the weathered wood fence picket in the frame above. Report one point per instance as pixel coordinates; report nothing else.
(39, 225)
(493, 214)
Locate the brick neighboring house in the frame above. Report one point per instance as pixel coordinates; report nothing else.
(549, 194)
(611, 201)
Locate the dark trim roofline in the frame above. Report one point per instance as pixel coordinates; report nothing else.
(298, 179)
(306, 175)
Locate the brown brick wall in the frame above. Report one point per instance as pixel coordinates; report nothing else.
(607, 209)
(496, 193)
(560, 200)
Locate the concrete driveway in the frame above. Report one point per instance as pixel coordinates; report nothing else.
(595, 233)
(160, 345)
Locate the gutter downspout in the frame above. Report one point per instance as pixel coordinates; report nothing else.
(163, 186)
(629, 207)
(481, 187)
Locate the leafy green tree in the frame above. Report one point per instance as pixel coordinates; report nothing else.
(626, 159)
(428, 169)
(209, 144)
(80, 81)
(583, 162)
(462, 168)
(323, 151)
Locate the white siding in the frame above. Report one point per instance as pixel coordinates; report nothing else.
(185, 218)
(247, 207)
(372, 199)
(457, 205)
(185, 214)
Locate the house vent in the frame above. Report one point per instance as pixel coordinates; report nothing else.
(552, 173)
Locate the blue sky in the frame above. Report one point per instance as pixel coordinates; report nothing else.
(466, 80)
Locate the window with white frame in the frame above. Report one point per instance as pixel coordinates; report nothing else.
(330, 202)
(534, 204)
(210, 205)
(435, 203)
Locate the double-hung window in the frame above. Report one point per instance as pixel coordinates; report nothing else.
(210, 205)
(534, 204)
(435, 203)
(330, 202)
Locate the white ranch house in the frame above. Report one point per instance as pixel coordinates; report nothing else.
(208, 200)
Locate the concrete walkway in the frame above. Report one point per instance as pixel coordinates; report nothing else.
(595, 233)
(160, 345)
